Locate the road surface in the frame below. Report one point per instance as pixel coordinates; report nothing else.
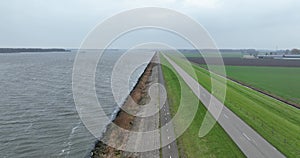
(171, 150)
(248, 140)
(151, 116)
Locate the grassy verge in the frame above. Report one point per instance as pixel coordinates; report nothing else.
(216, 144)
(277, 122)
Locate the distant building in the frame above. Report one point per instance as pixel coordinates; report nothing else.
(278, 56)
(249, 56)
(291, 56)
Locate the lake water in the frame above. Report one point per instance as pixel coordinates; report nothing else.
(38, 116)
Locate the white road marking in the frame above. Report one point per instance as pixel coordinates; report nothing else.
(169, 147)
(170, 156)
(225, 116)
(168, 137)
(190, 81)
(246, 136)
(167, 130)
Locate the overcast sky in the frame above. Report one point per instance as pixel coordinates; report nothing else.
(261, 24)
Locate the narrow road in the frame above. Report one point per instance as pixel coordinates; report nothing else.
(171, 150)
(248, 140)
(149, 123)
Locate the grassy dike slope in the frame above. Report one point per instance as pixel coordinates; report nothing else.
(277, 122)
(216, 144)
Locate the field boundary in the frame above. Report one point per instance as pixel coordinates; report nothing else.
(246, 138)
(234, 61)
(254, 88)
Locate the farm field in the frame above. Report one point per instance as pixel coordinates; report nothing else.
(277, 122)
(235, 61)
(216, 144)
(195, 54)
(280, 81)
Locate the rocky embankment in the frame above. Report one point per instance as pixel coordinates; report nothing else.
(129, 122)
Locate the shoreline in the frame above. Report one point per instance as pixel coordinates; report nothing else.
(123, 119)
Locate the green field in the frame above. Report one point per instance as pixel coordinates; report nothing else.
(283, 82)
(277, 122)
(216, 144)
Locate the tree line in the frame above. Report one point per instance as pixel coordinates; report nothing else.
(19, 50)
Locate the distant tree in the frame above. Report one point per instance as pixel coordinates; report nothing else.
(18, 50)
(295, 51)
(271, 53)
(267, 53)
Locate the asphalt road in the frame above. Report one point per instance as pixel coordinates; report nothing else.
(171, 150)
(248, 140)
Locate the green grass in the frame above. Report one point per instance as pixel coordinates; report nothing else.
(280, 81)
(215, 144)
(277, 122)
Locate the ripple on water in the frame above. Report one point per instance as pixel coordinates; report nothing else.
(38, 116)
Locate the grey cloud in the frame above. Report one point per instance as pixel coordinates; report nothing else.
(232, 23)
